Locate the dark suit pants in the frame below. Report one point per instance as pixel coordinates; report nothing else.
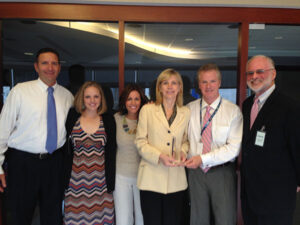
(213, 194)
(31, 180)
(275, 218)
(161, 209)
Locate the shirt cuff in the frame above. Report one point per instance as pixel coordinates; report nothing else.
(205, 160)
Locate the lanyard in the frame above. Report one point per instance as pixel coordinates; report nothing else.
(210, 118)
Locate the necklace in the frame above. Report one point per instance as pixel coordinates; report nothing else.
(126, 127)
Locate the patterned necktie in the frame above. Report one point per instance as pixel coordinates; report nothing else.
(51, 142)
(254, 112)
(206, 136)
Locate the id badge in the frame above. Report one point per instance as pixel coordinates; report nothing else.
(260, 138)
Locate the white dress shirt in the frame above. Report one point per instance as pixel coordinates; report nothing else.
(227, 129)
(23, 120)
(264, 96)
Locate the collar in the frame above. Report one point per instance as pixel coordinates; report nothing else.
(45, 86)
(213, 105)
(263, 97)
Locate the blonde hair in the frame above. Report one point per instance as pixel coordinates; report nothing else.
(79, 103)
(165, 75)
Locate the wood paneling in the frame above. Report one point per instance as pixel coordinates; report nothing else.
(241, 95)
(242, 59)
(148, 13)
(121, 55)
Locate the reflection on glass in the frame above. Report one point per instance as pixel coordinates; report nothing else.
(78, 43)
(184, 47)
(282, 44)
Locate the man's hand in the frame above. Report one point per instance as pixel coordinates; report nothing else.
(298, 189)
(3, 182)
(194, 162)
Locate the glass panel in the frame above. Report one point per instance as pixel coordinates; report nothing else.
(153, 47)
(91, 45)
(282, 44)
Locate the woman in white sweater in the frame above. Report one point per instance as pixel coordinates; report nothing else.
(126, 194)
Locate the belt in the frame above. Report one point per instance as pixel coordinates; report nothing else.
(40, 156)
(222, 165)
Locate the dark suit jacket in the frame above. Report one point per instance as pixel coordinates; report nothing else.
(270, 174)
(110, 148)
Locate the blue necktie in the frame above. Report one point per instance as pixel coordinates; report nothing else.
(51, 143)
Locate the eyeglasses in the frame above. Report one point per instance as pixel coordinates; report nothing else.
(258, 71)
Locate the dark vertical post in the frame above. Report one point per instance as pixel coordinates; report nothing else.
(242, 60)
(241, 95)
(121, 55)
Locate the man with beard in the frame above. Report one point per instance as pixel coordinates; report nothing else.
(270, 169)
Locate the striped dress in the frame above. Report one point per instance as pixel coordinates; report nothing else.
(87, 201)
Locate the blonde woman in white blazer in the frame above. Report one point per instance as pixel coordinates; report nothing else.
(161, 140)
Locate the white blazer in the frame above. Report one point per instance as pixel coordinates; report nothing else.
(154, 136)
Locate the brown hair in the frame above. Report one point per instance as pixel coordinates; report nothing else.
(46, 50)
(124, 96)
(208, 67)
(79, 103)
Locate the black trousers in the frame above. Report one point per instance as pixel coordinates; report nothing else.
(31, 180)
(276, 218)
(162, 209)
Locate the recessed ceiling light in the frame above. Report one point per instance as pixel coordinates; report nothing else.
(28, 53)
(256, 26)
(134, 25)
(189, 39)
(278, 38)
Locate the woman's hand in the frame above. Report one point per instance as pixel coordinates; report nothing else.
(167, 160)
(182, 159)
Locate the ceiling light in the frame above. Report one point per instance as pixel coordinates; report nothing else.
(189, 39)
(256, 26)
(103, 29)
(28, 53)
(278, 38)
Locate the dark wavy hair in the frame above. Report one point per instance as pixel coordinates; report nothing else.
(124, 96)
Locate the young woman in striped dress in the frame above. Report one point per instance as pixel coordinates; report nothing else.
(91, 159)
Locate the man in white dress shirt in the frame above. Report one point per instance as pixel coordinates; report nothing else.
(34, 173)
(212, 177)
